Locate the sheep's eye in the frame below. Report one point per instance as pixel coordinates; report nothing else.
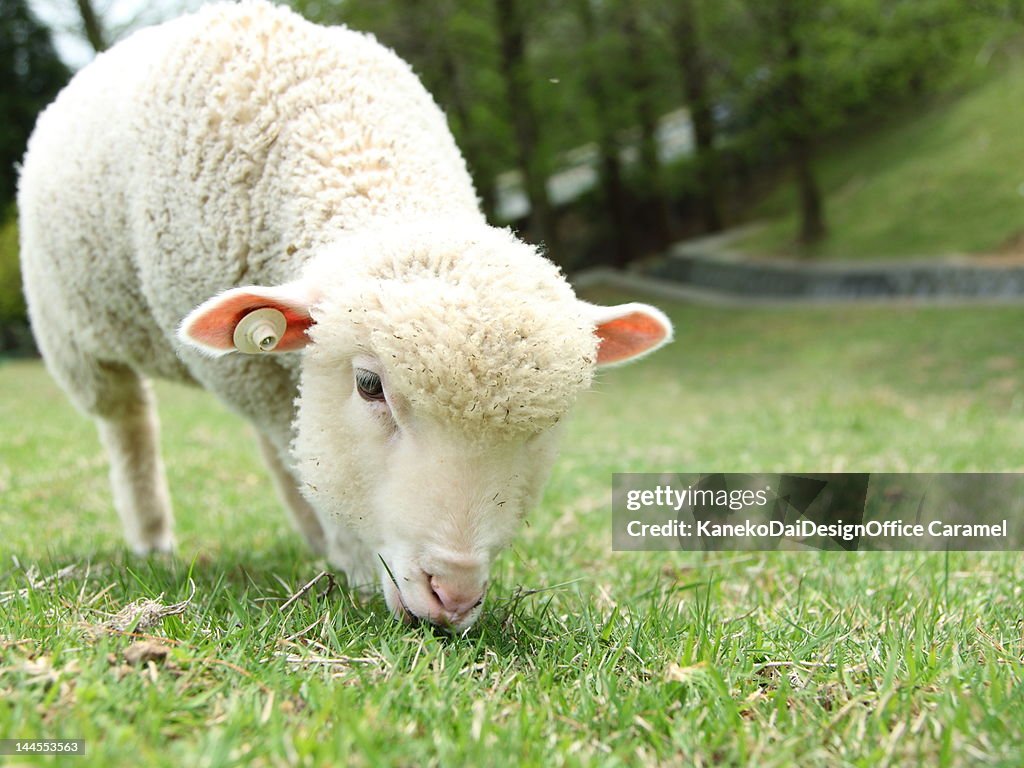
(368, 384)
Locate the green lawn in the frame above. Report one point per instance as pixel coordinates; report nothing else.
(948, 178)
(584, 655)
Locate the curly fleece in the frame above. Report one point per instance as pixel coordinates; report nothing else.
(244, 145)
(473, 328)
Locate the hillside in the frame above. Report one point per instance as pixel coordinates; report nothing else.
(945, 178)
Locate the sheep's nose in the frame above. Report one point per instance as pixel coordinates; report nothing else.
(456, 599)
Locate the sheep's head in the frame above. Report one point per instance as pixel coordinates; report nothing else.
(437, 369)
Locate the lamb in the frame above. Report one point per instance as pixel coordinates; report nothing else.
(277, 212)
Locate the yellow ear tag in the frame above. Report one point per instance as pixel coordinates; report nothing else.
(260, 331)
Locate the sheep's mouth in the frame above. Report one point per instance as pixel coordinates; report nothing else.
(407, 615)
(413, 619)
(440, 626)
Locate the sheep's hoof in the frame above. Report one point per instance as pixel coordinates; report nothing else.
(162, 546)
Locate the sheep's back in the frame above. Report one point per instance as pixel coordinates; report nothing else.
(79, 258)
(264, 137)
(217, 150)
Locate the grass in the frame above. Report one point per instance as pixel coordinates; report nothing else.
(584, 655)
(940, 179)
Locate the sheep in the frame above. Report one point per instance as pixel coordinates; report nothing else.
(277, 212)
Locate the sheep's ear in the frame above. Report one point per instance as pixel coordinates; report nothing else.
(252, 319)
(628, 331)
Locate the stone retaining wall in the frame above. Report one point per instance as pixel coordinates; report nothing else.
(714, 269)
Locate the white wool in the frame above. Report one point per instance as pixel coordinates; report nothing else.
(473, 328)
(244, 146)
(219, 149)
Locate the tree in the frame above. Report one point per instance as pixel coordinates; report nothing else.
(817, 66)
(642, 80)
(461, 29)
(613, 191)
(453, 47)
(790, 106)
(92, 27)
(88, 27)
(799, 124)
(515, 73)
(31, 74)
(696, 82)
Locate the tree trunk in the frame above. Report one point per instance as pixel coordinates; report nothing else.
(698, 97)
(455, 92)
(614, 192)
(512, 41)
(451, 92)
(613, 188)
(798, 130)
(812, 216)
(92, 26)
(642, 83)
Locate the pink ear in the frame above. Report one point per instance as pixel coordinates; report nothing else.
(211, 325)
(629, 331)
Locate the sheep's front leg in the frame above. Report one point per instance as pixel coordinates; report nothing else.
(302, 513)
(131, 434)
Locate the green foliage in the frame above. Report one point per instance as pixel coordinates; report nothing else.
(12, 301)
(452, 45)
(780, 74)
(781, 77)
(30, 74)
(852, 57)
(929, 181)
(617, 658)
